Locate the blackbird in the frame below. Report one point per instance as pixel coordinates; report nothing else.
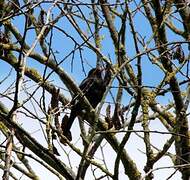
(93, 88)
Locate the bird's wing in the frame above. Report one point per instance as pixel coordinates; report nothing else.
(86, 83)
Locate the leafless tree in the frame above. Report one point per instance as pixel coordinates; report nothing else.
(48, 47)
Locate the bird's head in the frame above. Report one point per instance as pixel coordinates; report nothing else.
(96, 72)
(100, 72)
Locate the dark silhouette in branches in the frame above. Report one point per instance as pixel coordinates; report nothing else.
(93, 87)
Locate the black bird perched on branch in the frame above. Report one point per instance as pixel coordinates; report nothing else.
(93, 87)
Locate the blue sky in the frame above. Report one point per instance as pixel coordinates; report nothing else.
(62, 46)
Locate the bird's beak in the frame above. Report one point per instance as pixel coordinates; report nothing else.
(103, 74)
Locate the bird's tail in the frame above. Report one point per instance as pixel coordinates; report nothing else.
(66, 126)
